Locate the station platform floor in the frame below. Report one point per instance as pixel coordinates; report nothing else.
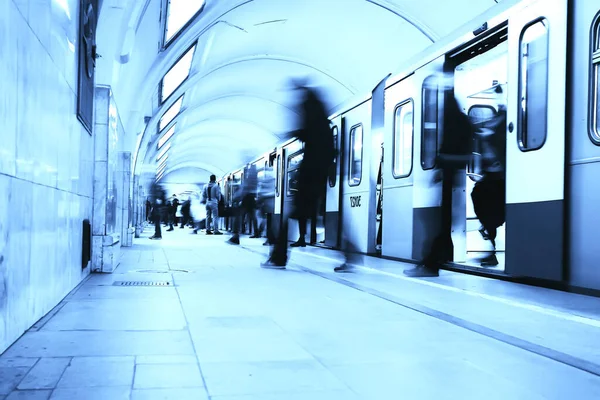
(190, 317)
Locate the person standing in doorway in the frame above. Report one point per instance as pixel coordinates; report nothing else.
(454, 154)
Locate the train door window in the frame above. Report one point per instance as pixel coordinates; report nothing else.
(333, 168)
(403, 140)
(429, 132)
(293, 165)
(595, 82)
(533, 85)
(356, 155)
(277, 175)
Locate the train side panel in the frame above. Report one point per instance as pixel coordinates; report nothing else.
(583, 162)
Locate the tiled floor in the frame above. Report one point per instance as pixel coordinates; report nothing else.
(225, 329)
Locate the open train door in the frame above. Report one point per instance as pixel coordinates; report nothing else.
(332, 196)
(535, 159)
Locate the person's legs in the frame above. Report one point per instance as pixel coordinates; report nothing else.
(157, 232)
(441, 246)
(235, 238)
(209, 217)
(278, 256)
(351, 255)
(215, 218)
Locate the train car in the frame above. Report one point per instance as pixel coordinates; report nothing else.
(538, 61)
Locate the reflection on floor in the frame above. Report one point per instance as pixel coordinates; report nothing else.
(225, 329)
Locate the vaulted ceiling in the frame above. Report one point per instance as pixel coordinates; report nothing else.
(231, 62)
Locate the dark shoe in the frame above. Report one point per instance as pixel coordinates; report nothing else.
(489, 261)
(181, 227)
(218, 233)
(254, 237)
(299, 243)
(195, 232)
(233, 240)
(270, 264)
(170, 229)
(266, 243)
(209, 232)
(421, 271)
(344, 268)
(155, 237)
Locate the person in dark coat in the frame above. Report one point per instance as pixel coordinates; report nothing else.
(489, 193)
(319, 153)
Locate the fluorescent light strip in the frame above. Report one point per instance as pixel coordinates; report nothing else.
(164, 138)
(163, 161)
(163, 152)
(179, 13)
(170, 114)
(178, 73)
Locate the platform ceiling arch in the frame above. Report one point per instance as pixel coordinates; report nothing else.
(238, 56)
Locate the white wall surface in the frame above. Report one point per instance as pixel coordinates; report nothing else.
(46, 162)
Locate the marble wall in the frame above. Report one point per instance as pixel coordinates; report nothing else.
(46, 162)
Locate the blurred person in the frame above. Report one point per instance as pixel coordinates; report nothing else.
(319, 154)
(249, 200)
(454, 154)
(237, 208)
(211, 195)
(156, 214)
(489, 193)
(266, 203)
(185, 212)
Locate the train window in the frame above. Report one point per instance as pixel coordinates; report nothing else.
(429, 133)
(333, 168)
(533, 86)
(403, 140)
(293, 164)
(595, 82)
(356, 154)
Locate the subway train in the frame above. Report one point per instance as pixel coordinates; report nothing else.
(543, 57)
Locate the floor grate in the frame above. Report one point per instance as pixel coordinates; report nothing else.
(140, 283)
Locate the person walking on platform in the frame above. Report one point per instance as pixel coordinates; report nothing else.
(237, 207)
(319, 153)
(155, 215)
(185, 212)
(211, 194)
(454, 154)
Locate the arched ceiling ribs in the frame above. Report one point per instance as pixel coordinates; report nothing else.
(194, 130)
(281, 58)
(412, 20)
(166, 58)
(194, 31)
(195, 79)
(193, 107)
(191, 136)
(213, 169)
